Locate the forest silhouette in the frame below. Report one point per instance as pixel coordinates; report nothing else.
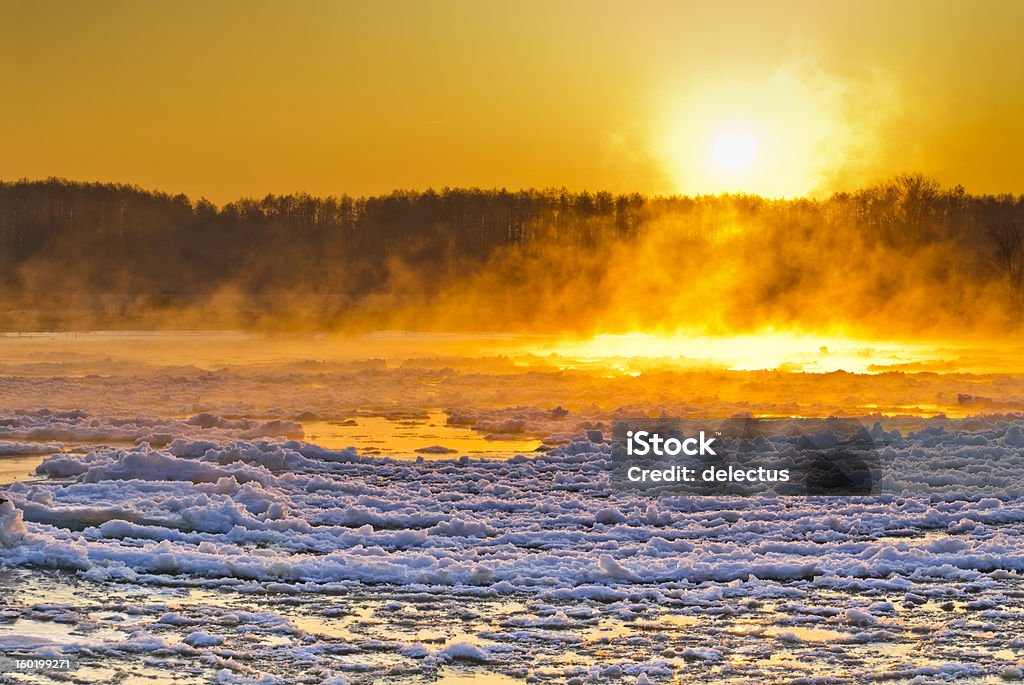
(902, 257)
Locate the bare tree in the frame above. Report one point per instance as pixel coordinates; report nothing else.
(1008, 254)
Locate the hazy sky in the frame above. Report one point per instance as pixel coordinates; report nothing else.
(223, 99)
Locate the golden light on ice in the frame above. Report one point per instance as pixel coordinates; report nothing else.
(780, 350)
(733, 151)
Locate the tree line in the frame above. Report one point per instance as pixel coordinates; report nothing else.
(115, 249)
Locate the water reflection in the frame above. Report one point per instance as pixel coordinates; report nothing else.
(409, 438)
(19, 468)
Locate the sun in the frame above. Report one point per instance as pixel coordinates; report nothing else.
(733, 151)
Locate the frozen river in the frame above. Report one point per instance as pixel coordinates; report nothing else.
(258, 515)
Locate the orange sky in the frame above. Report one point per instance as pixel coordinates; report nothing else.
(225, 99)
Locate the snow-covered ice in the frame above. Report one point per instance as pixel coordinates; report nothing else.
(239, 554)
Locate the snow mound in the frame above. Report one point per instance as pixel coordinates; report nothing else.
(201, 639)
(12, 525)
(464, 651)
